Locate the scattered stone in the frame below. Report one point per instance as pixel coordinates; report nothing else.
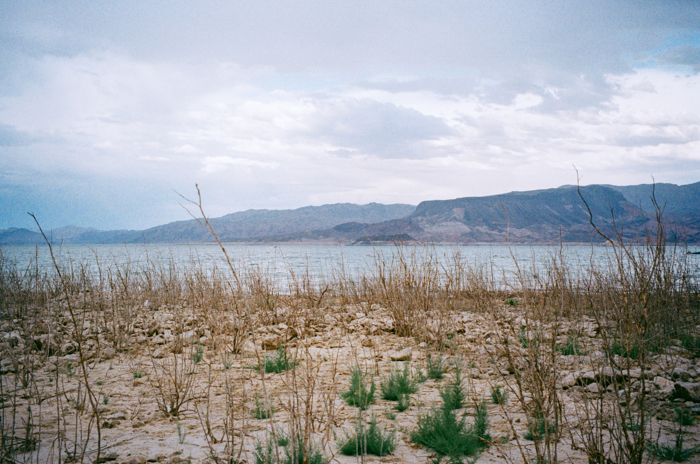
(688, 391)
(108, 353)
(594, 388)
(403, 355)
(680, 374)
(585, 378)
(663, 384)
(568, 381)
(271, 342)
(107, 457)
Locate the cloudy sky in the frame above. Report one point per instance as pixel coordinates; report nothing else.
(109, 108)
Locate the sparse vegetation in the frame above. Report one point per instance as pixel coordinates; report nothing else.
(358, 394)
(452, 394)
(446, 434)
(122, 345)
(571, 347)
(262, 409)
(498, 395)
(398, 384)
(368, 440)
(436, 369)
(279, 362)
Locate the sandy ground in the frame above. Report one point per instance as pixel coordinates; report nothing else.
(223, 389)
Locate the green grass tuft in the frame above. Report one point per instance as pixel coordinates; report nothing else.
(625, 350)
(538, 428)
(368, 440)
(398, 383)
(684, 417)
(404, 402)
(452, 395)
(436, 369)
(498, 396)
(298, 451)
(571, 347)
(279, 362)
(262, 409)
(675, 452)
(444, 433)
(358, 394)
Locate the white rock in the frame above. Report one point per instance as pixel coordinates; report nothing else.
(403, 355)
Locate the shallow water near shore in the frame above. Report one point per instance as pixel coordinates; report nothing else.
(280, 261)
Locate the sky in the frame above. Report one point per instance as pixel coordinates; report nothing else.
(109, 111)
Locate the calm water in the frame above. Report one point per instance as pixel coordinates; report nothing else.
(320, 261)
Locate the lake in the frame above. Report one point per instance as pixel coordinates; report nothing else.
(320, 261)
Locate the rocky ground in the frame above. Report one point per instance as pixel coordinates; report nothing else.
(168, 352)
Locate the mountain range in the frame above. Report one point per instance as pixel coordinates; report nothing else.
(538, 216)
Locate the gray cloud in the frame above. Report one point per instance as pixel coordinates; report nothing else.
(11, 137)
(282, 104)
(366, 127)
(687, 55)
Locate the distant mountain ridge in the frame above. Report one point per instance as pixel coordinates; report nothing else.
(537, 216)
(242, 226)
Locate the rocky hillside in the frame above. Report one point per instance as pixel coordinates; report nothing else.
(539, 216)
(248, 225)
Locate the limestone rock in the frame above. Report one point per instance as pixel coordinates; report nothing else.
(594, 388)
(665, 385)
(680, 374)
(271, 342)
(568, 381)
(403, 355)
(689, 391)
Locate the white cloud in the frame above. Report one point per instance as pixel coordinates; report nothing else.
(212, 164)
(383, 103)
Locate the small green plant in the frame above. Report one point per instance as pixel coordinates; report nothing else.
(69, 370)
(262, 409)
(279, 362)
(634, 424)
(499, 396)
(389, 414)
(526, 340)
(358, 394)
(368, 440)
(452, 395)
(404, 402)
(198, 355)
(436, 369)
(684, 417)
(264, 453)
(571, 347)
(282, 438)
(447, 435)
(398, 383)
(227, 362)
(99, 383)
(626, 350)
(300, 451)
(538, 428)
(511, 302)
(105, 398)
(136, 372)
(675, 452)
